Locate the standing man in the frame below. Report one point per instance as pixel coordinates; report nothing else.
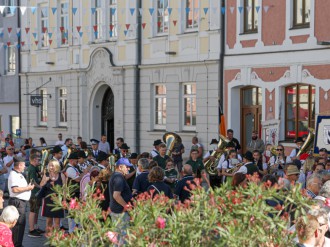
(65, 147)
(120, 195)
(299, 142)
(255, 143)
(8, 162)
(104, 146)
(161, 157)
(180, 191)
(59, 142)
(230, 137)
(103, 161)
(132, 171)
(123, 150)
(197, 146)
(79, 140)
(141, 182)
(119, 142)
(95, 148)
(196, 163)
(19, 193)
(57, 155)
(178, 150)
(155, 151)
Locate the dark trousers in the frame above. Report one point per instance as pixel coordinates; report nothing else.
(18, 229)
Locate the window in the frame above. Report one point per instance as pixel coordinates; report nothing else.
(8, 11)
(43, 116)
(113, 18)
(98, 19)
(63, 107)
(162, 16)
(14, 124)
(301, 14)
(44, 26)
(160, 106)
(64, 22)
(300, 110)
(10, 61)
(192, 14)
(250, 16)
(189, 104)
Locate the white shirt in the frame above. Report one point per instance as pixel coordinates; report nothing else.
(72, 172)
(275, 159)
(243, 169)
(59, 143)
(154, 153)
(65, 151)
(294, 152)
(104, 147)
(6, 160)
(17, 179)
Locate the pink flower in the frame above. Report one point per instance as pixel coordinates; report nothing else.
(112, 237)
(327, 202)
(73, 204)
(160, 222)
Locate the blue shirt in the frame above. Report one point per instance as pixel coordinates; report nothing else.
(141, 182)
(160, 187)
(179, 189)
(118, 183)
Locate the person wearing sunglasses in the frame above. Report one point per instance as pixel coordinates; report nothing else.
(278, 161)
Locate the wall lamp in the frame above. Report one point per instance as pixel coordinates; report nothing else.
(170, 52)
(50, 63)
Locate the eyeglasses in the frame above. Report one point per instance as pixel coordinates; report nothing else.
(279, 149)
(10, 149)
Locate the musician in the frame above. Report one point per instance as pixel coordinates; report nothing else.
(104, 146)
(230, 137)
(95, 147)
(249, 166)
(171, 175)
(299, 142)
(278, 162)
(230, 146)
(57, 155)
(132, 170)
(67, 144)
(161, 157)
(156, 145)
(82, 164)
(103, 160)
(90, 159)
(214, 180)
(324, 154)
(197, 146)
(263, 167)
(196, 163)
(178, 150)
(119, 142)
(123, 150)
(229, 163)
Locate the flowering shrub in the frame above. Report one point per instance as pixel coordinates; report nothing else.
(247, 216)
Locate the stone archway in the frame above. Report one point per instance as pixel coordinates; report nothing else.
(108, 113)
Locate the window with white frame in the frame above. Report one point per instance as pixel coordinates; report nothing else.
(162, 16)
(301, 13)
(64, 22)
(43, 116)
(44, 25)
(97, 19)
(113, 19)
(192, 14)
(14, 124)
(9, 3)
(10, 62)
(189, 105)
(250, 16)
(63, 106)
(160, 106)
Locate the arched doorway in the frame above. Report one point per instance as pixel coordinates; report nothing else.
(107, 122)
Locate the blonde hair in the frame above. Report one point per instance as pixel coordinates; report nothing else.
(306, 227)
(56, 165)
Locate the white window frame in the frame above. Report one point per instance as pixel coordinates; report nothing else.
(97, 20)
(44, 38)
(10, 60)
(43, 109)
(247, 14)
(163, 15)
(7, 12)
(63, 22)
(190, 96)
(12, 118)
(162, 97)
(62, 99)
(112, 20)
(195, 14)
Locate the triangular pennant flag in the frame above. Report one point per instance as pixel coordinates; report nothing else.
(50, 41)
(144, 25)
(151, 10)
(159, 24)
(18, 46)
(205, 10)
(80, 34)
(74, 11)
(141, 11)
(12, 9)
(169, 10)
(223, 10)
(8, 43)
(266, 8)
(33, 10)
(18, 30)
(95, 28)
(34, 35)
(2, 8)
(18, 34)
(240, 9)
(54, 10)
(125, 32)
(44, 11)
(174, 22)
(93, 10)
(187, 10)
(44, 29)
(9, 29)
(132, 10)
(22, 43)
(78, 28)
(232, 9)
(63, 41)
(50, 35)
(113, 11)
(5, 46)
(111, 26)
(127, 26)
(96, 34)
(257, 9)
(23, 9)
(61, 29)
(27, 29)
(66, 35)
(248, 8)
(36, 42)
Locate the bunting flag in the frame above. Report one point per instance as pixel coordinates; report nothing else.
(54, 10)
(113, 11)
(141, 11)
(23, 9)
(80, 34)
(93, 10)
(33, 10)
(132, 10)
(125, 32)
(205, 10)
(34, 35)
(232, 9)
(9, 29)
(223, 10)
(151, 11)
(187, 10)
(169, 11)
(12, 9)
(22, 43)
(240, 9)
(266, 8)
(174, 22)
(74, 11)
(27, 29)
(50, 42)
(257, 9)
(78, 28)
(50, 35)
(2, 8)
(144, 25)
(127, 26)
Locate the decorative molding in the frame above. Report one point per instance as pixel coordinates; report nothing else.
(254, 76)
(238, 76)
(287, 74)
(305, 73)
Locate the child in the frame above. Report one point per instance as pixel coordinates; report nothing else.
(171, 175)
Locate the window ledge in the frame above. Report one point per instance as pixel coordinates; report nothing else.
(297, 27)
(247, 33)
(41, 127)
(186, 32)
(60, 128)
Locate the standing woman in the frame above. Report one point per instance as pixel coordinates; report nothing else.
(42, 142)
(52, 178)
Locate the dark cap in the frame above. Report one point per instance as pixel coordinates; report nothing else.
(157, 142)
(133, 156)
(214, 141)
(73, 156)
(81, 154)
(123, 161)
(102, 156)
(248, 155)
(299, 139)
(56, 150)
(124, 146)
(94, 141)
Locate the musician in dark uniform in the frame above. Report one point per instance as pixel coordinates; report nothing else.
(161, 157)
(95, 147)
(57, 155)
(123, 151)
(103, 161)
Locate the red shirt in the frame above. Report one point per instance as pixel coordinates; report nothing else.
(6, 239)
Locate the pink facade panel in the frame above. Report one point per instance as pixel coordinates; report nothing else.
(321, 72)
(249, 43)
(231, 24)
(299, 39)
(322, 17)
(270, 74)
(270, 105)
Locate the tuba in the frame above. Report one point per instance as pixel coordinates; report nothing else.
(171, 139)
(308, 144)
(112, 162)
(44, 158)
(211, 167)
